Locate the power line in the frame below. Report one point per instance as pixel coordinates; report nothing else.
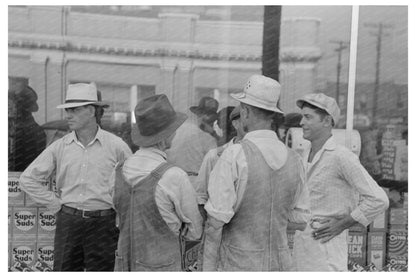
(342, 45)
(379, 34)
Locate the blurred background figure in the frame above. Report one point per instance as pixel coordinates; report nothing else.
(30, 138)
(225, 124)
(55, 130)
(195, 138)
(291, 120)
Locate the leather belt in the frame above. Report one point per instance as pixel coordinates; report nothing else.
(86, 214)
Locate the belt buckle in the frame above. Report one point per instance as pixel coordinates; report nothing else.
(83, 214)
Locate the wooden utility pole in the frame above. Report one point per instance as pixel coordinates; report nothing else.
(379, 34)
(271, 39)
(342, 46)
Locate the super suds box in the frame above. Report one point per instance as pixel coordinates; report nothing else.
(9, 230)
(24, 252)
(16, 195)
(46, 224)
(24, 223)
(45, 252)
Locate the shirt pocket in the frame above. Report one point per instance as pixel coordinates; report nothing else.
(286, 262)
(238, 259)
(156, 266)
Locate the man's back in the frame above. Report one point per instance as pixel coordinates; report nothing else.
(255, 239)
(189, 147)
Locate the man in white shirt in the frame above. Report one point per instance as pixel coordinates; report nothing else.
(341, 191)
(253, 190)
(212, 157)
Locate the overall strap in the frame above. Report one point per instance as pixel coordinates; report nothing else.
(158, 172)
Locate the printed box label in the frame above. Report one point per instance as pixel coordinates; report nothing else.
(16, 195)
(357, 247)
(24, 223)
(45, 252)
(23, 252)
(46, 224)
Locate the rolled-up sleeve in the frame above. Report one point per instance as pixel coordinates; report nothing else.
(201, 181)
(175, 189)
(373, 199)
(224, 184)
(36, 174)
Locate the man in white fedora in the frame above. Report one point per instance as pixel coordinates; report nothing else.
(154, 199)
(83, 162)
(253, 191)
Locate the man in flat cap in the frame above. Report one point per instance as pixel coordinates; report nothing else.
(253, 190)
(155, 200)
(336, 181)
(83, 162)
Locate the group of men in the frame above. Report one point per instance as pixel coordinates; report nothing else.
(240, 199)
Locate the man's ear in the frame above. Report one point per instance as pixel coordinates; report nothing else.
(234, 123)
(244, 111)
(328, 121)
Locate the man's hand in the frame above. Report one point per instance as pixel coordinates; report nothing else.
(332, 227)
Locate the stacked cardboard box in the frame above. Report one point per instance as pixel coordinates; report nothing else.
(397, 249)
(376, 249)
(376, 238)
(357, 245)
(31, 231)
(357, 242)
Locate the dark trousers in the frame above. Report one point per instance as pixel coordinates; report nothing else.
(85, 244)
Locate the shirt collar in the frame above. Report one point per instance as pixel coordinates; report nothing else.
(329, 144)
(261, 134)
(152, 151)
(72, 137)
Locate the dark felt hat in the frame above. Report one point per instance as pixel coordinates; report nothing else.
(155, 120)
(207, 105)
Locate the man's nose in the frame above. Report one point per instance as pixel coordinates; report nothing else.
(301, 123)
(68, 115)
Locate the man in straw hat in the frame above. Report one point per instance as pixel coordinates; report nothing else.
(154, 199)
(336, 181)
(253, 190)
(83, 162)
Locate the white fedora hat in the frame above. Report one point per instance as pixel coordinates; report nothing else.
(261, 92)
(80, 95)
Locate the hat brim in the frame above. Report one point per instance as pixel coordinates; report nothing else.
(300, 102)
(198, 111)
(145, 141)
(238, 96)
(79, 104)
